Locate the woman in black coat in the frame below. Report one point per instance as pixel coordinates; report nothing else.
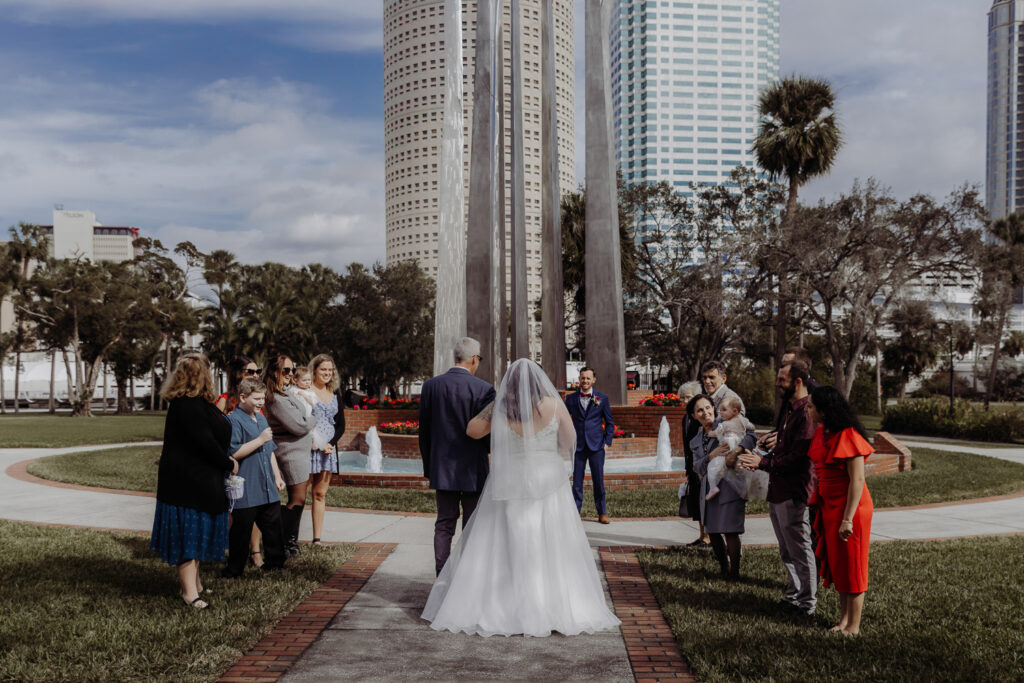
(690, 429)
(191, 522)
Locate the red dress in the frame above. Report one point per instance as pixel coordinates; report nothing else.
(843, 564)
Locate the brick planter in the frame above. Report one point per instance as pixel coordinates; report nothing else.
(638, 447)
(402, 446)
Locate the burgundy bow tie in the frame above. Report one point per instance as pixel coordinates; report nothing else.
(585, 395)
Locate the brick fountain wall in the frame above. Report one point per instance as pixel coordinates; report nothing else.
(642, 422)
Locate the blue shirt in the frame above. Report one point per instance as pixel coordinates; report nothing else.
(254, 468)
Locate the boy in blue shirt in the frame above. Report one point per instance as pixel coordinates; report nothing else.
(252, 447)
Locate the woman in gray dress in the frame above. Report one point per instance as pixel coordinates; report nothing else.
(724, 514)
(293, 434)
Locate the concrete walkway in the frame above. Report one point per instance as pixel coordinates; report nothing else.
(379, 636)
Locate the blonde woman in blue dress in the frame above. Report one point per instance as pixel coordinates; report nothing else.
(523, 564)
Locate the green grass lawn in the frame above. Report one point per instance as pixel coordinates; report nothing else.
(937, 477)
(55, 431)
(89, 605)
(934, 611)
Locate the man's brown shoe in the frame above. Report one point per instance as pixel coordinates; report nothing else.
(603, 519)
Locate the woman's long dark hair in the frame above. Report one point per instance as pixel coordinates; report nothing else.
(836, 412)
(236, 373)
(270, 377)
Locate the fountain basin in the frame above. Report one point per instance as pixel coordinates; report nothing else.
(405, 473)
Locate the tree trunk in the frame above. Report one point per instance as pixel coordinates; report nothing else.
(17, 380)
(53, 381)
(995, 356)
(878, 378)
(782, 317)
(123, 405)
(3, 393)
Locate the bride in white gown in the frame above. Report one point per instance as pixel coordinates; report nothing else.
(523, 564)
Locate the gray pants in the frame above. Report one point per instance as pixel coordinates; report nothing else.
(792, 526)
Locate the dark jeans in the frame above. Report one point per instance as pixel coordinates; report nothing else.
(596, 461)
(268, 519)
(448, 503)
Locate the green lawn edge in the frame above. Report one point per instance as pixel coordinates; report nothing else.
(934, 611)
(94, 605)
(937, 477)
(61, 431)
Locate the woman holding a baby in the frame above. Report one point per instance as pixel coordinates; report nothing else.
(722, 511)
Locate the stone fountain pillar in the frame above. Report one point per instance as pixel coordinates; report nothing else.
(519, 308)
(450, 307)
(606, 341)
(552, 295)
(484, 270)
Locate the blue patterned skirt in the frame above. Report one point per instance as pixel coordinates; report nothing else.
(181, 534)
(321, 462)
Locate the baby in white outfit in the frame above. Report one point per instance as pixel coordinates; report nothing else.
(730, 431)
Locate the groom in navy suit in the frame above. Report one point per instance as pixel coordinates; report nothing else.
(592, 415)
(456, 465)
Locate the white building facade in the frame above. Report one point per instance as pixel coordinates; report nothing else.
(685, 83)
(414, 69)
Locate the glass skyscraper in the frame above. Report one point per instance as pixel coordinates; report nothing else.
(1004, 153)
(685, 82)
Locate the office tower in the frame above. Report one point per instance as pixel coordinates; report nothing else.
(1004, 151)
(685, 82)
(413, 117)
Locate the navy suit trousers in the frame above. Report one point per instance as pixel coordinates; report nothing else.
(596, 461)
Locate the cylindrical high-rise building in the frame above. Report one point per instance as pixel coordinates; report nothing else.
(414, 114)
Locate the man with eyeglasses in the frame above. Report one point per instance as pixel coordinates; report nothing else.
(456, 465)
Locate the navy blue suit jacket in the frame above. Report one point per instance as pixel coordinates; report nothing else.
(451, 460)
(594, 428)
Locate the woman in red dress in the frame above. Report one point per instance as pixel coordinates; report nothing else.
(843, 521)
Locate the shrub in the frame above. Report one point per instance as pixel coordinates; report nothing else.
(930, 416)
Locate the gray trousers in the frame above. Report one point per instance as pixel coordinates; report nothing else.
(792, 526)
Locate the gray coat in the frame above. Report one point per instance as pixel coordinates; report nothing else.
(724, 513)
(293, 434)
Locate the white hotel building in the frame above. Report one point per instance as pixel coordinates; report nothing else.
(685, 83)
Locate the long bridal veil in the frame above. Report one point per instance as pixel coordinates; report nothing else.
(523, 564)
(532, 435)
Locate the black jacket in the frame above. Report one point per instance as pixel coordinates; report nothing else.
(195, 458)
(451, 460)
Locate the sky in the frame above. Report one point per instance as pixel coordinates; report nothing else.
(257, 126)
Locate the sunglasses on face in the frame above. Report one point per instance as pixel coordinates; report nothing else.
(287, 371)
(252, 373)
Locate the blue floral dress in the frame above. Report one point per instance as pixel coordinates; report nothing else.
(324, 414)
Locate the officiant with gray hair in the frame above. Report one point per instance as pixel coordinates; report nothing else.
(456, 464)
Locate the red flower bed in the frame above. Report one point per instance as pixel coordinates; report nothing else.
(388, 403)
(407, 427)
(662, 400)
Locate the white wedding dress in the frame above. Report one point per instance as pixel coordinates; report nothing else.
(523, 564)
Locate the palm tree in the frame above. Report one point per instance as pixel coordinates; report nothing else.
(799, 139)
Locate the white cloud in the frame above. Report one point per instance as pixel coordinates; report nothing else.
(320, 25)
(258, 168)
(911, 87)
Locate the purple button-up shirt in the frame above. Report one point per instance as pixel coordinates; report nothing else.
(790, 475)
